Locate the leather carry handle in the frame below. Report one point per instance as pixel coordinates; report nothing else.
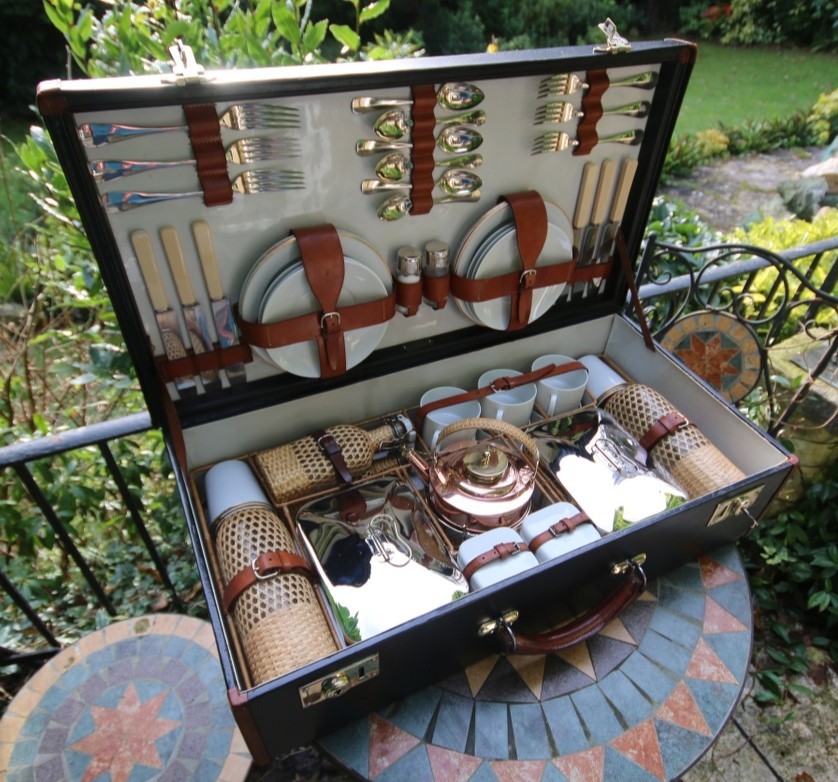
(580, 629)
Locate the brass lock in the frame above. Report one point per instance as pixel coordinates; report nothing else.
(337, 683)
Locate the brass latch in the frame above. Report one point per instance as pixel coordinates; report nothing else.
(335, 684)
(614, 42)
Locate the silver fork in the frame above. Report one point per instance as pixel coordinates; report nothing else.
(557, 112)
(558, 142)
(241, 116)
(264, 180)
(567, 83)
(243, 151)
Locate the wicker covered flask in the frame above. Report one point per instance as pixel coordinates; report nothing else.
(267, 587)
(675, 445)
(326, 459)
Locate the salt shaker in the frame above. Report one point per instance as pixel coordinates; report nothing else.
(435, 269)
(408, 279)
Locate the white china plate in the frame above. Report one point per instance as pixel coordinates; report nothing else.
(291, 296)
(269, 266)
(489, 248)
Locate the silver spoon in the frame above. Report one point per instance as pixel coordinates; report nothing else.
(399, 205)
(455, 96)
(454, 141)
(454, 182)
(396, 124)
(396, 166)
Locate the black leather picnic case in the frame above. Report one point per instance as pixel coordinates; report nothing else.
(298, 251)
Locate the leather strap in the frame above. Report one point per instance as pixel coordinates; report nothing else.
(265, 566)
(323, 263)
(561, 527)
(408, 297)
(210, 157)
(582, 628)
(663, 427)
(622, 254)
(435, 290)
(530, 217)
(422, 148)
(498, 551)
(591, 108)
(499, 384)
(334, 453)
(194, 363)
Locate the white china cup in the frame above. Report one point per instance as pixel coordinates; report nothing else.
(559, 394)
(228, 485)
(438, 419)
(513, 405)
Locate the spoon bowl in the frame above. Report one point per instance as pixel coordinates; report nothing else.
(396, 166)
(399, 205)
(458, 139)
(454, 182)
(392, 125)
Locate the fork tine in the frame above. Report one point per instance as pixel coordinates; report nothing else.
(266, 180)
(247, 116)
(252, 150)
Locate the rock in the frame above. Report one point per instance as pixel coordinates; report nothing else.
(803, 196)
(826, 169)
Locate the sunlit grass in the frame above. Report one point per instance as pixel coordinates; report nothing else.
(731, 86)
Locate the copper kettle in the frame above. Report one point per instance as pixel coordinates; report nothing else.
(475, 485)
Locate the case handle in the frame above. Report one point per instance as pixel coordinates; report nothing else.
(580, 629)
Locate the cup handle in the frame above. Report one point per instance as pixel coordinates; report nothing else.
(551, 408)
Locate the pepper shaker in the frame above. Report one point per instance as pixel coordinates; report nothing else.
(435, 270)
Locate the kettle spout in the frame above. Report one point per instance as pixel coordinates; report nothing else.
(416, 461)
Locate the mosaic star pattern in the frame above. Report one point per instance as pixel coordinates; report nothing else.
(718, 348)
(141, 699)
(640, 702)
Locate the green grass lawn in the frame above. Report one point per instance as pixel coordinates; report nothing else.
(733, 85)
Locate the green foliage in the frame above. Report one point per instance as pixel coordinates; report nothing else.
(823, 119)
(672, 222)
(134, 37)
(779, 235)
(792, 562)
(781, 22)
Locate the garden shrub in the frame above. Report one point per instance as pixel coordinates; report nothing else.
(823, 119)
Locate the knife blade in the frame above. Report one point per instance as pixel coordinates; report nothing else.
(222, 310)
(607, 172)
(582, 213)
(166, 318)
(193, 313)
(605, 244)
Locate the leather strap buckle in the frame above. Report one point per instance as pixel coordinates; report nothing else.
(501, 384)
(527, 279)
(330, 322)
(260, 576)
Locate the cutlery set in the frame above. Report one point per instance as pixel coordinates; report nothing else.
(599, 210)
(200, 337)
(243, 152)
(396, 130)
(562, 112)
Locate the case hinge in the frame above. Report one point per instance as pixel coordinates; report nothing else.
(185, 68)
(614, 42)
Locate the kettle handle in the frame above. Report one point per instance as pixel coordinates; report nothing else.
(495, 426)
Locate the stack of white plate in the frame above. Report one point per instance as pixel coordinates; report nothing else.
(276, 289)
(490, 249)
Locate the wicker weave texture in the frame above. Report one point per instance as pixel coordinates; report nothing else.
(692, 460)
(279, 620)
(300, 468)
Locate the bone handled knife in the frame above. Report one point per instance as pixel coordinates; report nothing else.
(166, 318)
(618, 208)
(193, 313)
(222, 310)
(584, 202)
(599, 211)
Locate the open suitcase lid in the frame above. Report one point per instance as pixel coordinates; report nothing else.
(571, 142)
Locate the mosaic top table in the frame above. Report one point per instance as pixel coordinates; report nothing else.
(640, 702)
(140, 699)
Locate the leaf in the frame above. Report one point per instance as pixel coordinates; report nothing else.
(315, 34)
(346, 36)
(286, 23)
(374, 10)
